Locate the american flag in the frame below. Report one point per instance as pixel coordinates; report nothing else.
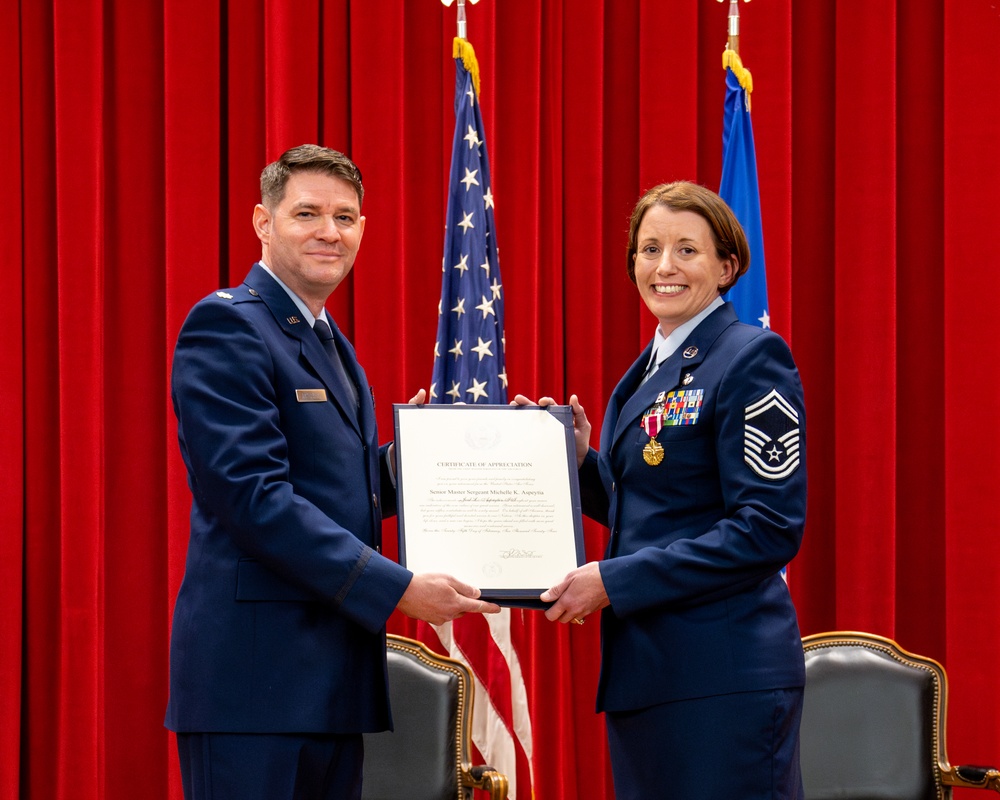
(469, 368)
(469, 352)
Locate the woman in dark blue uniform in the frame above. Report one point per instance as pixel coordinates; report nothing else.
(701, 479)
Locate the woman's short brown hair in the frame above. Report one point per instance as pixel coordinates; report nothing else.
(730, 240)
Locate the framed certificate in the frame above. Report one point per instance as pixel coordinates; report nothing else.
(489, 495)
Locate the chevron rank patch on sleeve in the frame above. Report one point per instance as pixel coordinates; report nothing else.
(771, 437)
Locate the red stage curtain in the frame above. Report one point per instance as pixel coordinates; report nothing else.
(131, 141)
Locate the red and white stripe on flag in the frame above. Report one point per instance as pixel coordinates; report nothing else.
(501, 724)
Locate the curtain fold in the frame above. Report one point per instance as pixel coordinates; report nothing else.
(133, 142)
(74, 307)
(813, 191)
(919, 501)
(38, 351)
(192, 213)
(12, 433)
(135, 599)
(865, 321)
(968, 377)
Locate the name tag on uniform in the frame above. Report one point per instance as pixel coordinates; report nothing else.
(310, 395)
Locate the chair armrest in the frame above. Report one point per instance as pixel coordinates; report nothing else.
(970, 777)
(486, 778)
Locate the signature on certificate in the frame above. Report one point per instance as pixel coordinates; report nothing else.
(516, 552)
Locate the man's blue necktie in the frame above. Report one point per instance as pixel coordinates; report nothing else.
(325, 335)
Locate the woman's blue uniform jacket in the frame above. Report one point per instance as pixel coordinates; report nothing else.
(692, 570)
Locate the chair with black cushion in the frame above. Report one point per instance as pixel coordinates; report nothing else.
(426, 757)
(873, 723)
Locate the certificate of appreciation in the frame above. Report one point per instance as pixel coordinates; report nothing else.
(489, 494)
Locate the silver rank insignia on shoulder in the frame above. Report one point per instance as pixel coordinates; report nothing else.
(771, 437)
(292, 320)
(224, 295)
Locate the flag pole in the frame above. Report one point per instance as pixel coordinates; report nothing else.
(460, 17)
(731, 56)
(733, 43)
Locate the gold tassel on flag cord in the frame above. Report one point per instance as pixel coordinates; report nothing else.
(462, 49)
(731, 60)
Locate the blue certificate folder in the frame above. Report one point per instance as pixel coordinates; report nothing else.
(490, 495)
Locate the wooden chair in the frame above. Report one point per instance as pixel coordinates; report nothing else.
(426, 757)
(873, 723)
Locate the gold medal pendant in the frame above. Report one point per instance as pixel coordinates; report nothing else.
(652, 453)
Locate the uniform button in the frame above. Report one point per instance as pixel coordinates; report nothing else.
(613, 485)
(375, 500)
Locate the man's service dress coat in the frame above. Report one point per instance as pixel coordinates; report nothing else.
(279, 625)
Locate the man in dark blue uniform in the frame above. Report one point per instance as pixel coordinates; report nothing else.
(278, 644)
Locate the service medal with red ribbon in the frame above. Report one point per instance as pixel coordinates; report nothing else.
(652, 422)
